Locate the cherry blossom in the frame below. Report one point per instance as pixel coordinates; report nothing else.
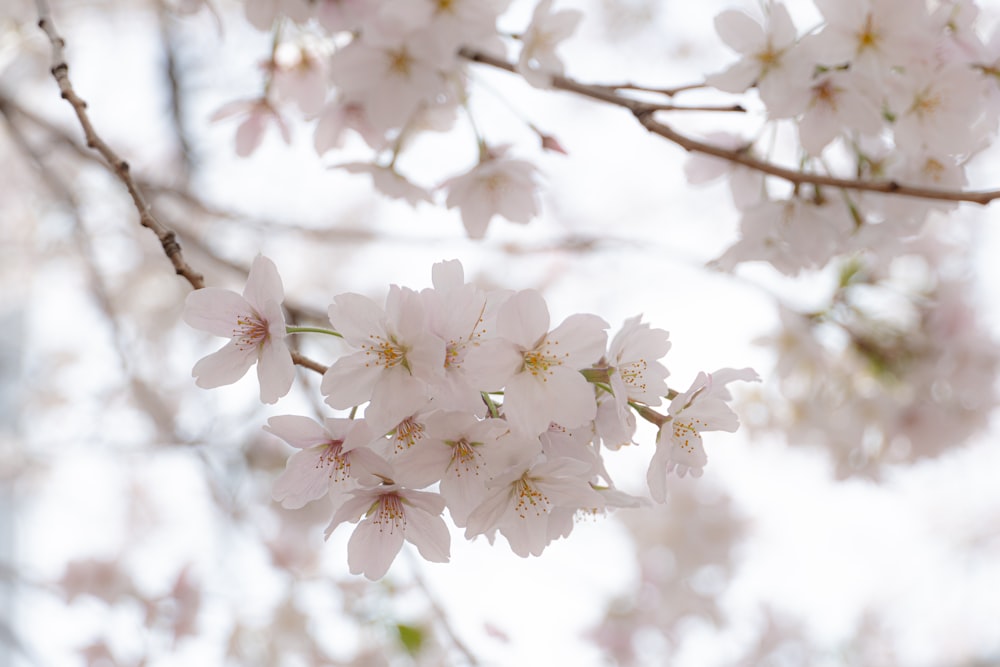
(524, 504)
(396, 354)
(497, 185)
(545, 385)
(392, 514)
(703, 407)
(258, 114)
(770, 60)
(256, 326)
(331, 457)
(538, 61)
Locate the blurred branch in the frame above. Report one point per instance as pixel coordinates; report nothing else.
(644, 113)
(60, 71)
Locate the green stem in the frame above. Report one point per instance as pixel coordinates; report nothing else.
(328, 332)
(490, 405)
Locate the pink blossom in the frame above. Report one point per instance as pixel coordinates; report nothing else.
(496, 186)
(332, 457)
(396, 355)
(546, 385)
(703, 407)
(538, 61)
(250, 132)
(392, 514)
(531, 505)
(256, 326)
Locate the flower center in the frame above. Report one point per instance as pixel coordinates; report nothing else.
(632, 374)
(250, 331)
(529, 499)
(408, 433)
(686, 433)
(384, 353)
(389, 514)
(463, 457)
(541, 360)
(335, 461)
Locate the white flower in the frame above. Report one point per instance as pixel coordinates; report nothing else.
(538, 61)
(250, 132)
(768, 60)
(496, 186)
(703, 407)
(256, 326)
(396, 356)
(392, 514)
(531, 505)
(546, 385)
(331, 457)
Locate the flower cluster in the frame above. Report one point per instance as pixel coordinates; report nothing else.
(867, 96)
(472, 402)
(897, 367)
(387, 70)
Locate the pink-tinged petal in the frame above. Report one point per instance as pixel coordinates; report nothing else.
(349, 381)
(447, 275)
(736, 78)
(490, 364)
(263, 283)
(223, 367)
(386, 409)
(305, 478)
(524, 319)
(527, 404)
(487, 515)
(740, 32)
(425, 355)
(528, 535)
(576, 404)
(424, 501)
(372, 548)
(581, 338)
(354, 432)
(656, 474)
(368, 467)
(429, 533)
(275, 371)
(423, 465)
(215, 310)
(297, 431)
(249, 134)
(356, 318)
(351, 509)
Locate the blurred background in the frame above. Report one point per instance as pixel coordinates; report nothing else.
(853, 520)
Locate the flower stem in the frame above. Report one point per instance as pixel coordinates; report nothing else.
(328, 332)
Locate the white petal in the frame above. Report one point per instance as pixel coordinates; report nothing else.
(263, 283)
(215, 310)
(740, 32)
(372, 548)
(297, 431)
(223, 367)
(523, 319)
(429, 533)
(275, 371)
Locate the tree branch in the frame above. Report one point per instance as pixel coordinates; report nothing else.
(60, 71)
(644, 112)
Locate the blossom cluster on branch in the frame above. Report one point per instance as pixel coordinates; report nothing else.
(468, 392)
(867, 96)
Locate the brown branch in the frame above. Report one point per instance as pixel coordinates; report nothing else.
(60, 71)
(644, 111)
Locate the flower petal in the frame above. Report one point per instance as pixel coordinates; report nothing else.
(225, 366)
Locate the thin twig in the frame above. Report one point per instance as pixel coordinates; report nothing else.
(166, 236)
(60, 71)
(643, 112)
